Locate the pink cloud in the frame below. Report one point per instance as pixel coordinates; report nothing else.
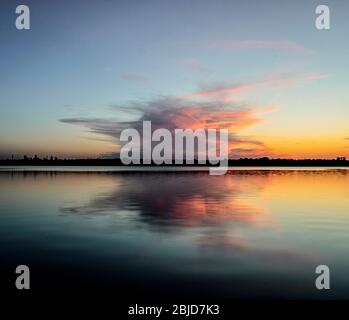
(227, 93)
(212, 107)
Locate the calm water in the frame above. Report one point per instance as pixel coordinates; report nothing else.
(248, 234)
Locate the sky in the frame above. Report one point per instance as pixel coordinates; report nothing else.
(88, 69)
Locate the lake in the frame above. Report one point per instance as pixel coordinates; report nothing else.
(256, 233)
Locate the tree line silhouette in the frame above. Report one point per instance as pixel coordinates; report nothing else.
(264, 161)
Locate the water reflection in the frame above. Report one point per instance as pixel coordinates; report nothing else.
(190, 231)
(178, 198)
(213, 207)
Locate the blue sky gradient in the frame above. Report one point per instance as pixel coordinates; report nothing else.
(80, 59)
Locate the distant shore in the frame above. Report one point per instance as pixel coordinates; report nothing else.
(245, 162)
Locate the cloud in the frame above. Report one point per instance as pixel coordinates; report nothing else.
(172, 113)
(229, 92)
(215, 106)
(107, 127)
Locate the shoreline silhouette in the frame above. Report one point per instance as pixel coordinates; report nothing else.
(242, 162)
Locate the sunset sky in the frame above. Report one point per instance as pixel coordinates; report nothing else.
(88, 69)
